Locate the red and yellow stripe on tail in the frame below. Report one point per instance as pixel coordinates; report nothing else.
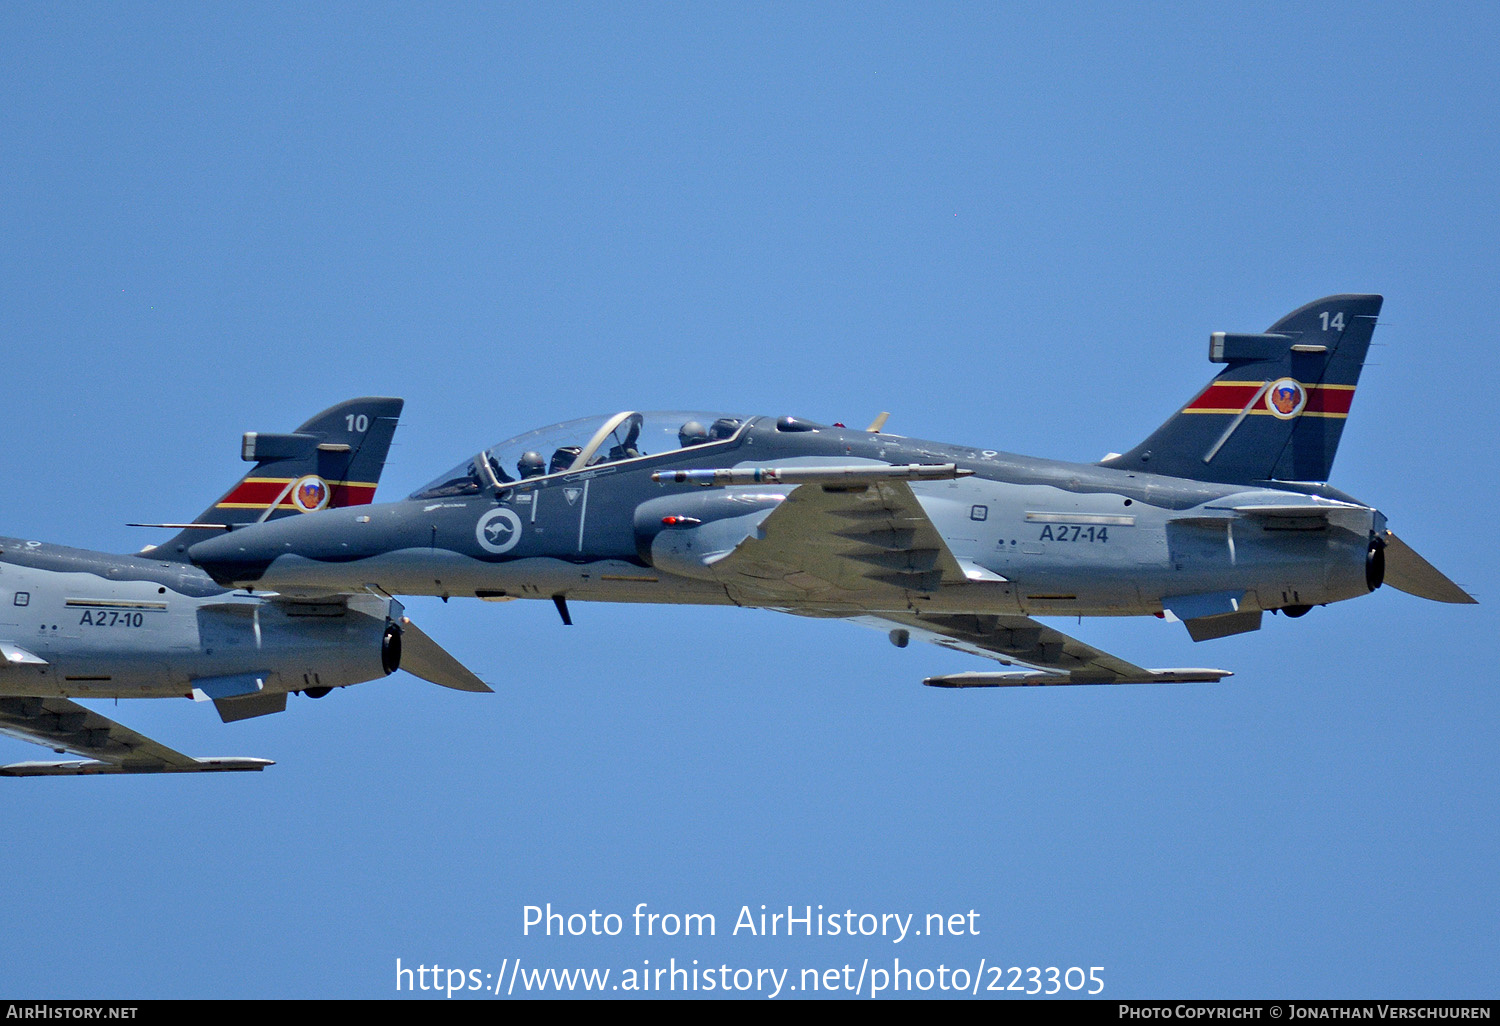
(301, 494)
(1232, 397)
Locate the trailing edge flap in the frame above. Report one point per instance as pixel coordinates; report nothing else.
(1020, 640)
(1406, 571)
(60, 723)
(821, 541)
(425, 658)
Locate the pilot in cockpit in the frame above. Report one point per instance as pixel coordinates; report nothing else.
(723, 428)
(496, 469)
(692, 433)
(531, 464)
(628, 449)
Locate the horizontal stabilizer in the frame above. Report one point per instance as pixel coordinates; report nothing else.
(1186, 675)
(88, 769)
(1406, 571)
(425, 658)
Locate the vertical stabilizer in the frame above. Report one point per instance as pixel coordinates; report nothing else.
(333, 460)
(1277, 410)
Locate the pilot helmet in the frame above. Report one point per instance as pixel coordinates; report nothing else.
(531, 464)
(692, 433)
(563, 458)
(723, 428)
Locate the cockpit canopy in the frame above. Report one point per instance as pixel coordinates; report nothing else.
(576, 444)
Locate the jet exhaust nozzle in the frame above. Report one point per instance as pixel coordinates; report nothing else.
(1375, 564)
(390, 649)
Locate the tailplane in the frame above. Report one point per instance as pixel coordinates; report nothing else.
(1277, 410)
(1406, 571)
(333, 460)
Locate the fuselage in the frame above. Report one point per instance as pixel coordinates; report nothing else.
(1035, 536)
(86, 624)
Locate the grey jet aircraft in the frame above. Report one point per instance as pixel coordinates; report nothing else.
(83, 624)
(1222, 514)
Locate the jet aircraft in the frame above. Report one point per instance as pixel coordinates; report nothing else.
(1222, 514)
(83, 624)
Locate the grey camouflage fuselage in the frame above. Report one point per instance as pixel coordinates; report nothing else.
(81, 624)
(131, 627)
(1220, 515)
(1201, 521)
(1067, 538)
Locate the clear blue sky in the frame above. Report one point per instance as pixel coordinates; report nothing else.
(1011, 225)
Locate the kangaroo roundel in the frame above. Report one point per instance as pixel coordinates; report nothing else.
(498, 531)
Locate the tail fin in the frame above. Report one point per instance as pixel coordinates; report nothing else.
(335, 459)
(1277, 410)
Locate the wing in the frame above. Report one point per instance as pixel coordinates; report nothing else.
(1055, 657)
(842, 543)
(65, 725)
(855, 537)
